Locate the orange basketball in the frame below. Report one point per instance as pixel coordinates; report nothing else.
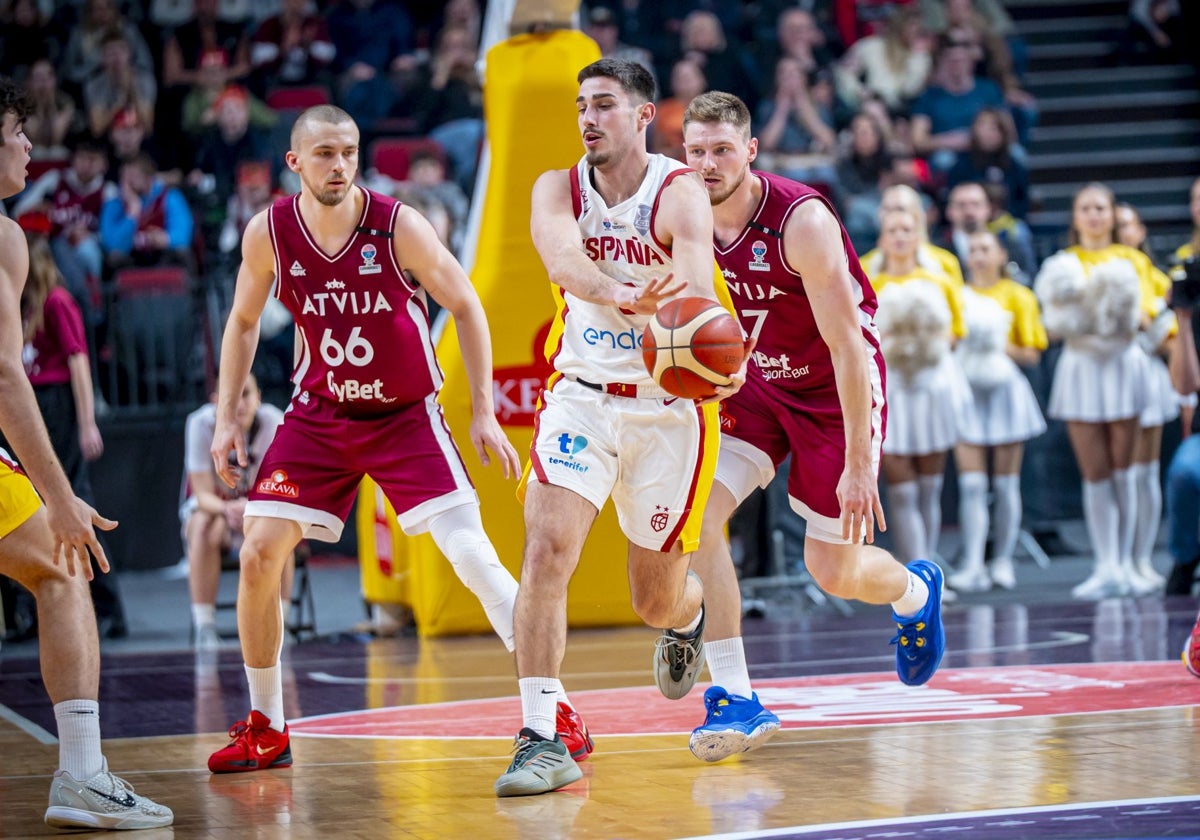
(692, 345)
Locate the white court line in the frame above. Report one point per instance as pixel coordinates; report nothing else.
(26, 725)
(961, 815)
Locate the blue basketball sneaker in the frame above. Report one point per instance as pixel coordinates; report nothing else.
(733, 724)
(921, 640)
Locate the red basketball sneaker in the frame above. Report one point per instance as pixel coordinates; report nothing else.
(573, 732)
(254, 746)
(1191, 650)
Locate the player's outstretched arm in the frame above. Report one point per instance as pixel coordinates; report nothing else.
(254, 279)
(70, 519)
(420, 251)
(684, 223)
(556, 237)
(813, 245)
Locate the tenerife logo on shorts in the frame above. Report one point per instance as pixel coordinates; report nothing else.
(368, 253)
(759, 250)
(277, 484)
(570, 446)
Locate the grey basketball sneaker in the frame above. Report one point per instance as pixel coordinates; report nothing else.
(678, 661)
(103, 801)
(538, 766)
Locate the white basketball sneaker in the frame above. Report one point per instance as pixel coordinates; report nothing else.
(103, 801)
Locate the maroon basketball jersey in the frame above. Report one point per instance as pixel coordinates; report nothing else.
(71, 202)
(769, 294)
(364, 329)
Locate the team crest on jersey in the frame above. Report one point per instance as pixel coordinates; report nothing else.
(641, 219)
(297, 270)
(369, 266)
(759, 250)
(660, 518)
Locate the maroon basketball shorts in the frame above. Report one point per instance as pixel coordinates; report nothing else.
(761, 425)
(313, 467)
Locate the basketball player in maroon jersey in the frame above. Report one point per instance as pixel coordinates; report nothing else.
(814, 390)
(346, 262)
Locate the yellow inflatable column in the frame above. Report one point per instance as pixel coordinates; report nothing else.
(382, 549)
(529, 101)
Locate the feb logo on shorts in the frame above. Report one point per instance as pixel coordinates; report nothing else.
(660, 518)
(277, 484)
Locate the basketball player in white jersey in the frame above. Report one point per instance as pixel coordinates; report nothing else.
(619, 233)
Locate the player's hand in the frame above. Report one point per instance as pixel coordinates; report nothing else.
(229, 451)
(73, 527)
(858, 498)
(736, 380)
(646, 300)
(487, 436)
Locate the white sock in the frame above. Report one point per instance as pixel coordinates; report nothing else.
(914, 597)
(1007, 517)
(726, 660)
(1100, 514)
(266, 693)
(1149, 511)
(459, 534)
(539, 704)
(904, 518)
(973, 518)
(79, 738)
(1125, 490)
(203, 614)
(930, 502)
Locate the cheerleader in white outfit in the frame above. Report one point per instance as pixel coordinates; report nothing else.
(1157, 339)
(1004, 329)
(1092, 296)
(929, 402)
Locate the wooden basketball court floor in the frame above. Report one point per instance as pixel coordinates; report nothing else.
(1055, 720)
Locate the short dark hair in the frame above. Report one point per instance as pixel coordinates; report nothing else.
(634, 79)
(14, 99)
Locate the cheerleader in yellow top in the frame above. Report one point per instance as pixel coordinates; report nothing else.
(1157, 339)
(1094, 295)
(1188, 249)
(929, 256)
(1004, 330)
(1191, 248)
(929, 402)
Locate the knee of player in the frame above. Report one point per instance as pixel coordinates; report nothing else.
(836, 578)
(259, 565)
(546, 561)
(654, 606)
(49, 581)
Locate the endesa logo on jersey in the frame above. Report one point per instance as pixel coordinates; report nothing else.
(630, 339)
(277, 484)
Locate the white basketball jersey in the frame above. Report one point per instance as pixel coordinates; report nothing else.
(602, 344)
